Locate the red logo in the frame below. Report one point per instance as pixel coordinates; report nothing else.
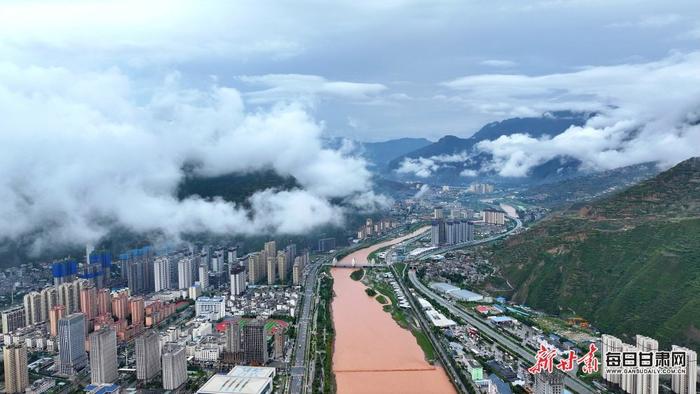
(545, 361)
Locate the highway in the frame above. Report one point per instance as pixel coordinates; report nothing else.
(298, 368)
(570, 381)
(426, 328)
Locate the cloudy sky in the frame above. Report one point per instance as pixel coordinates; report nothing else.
(373, 70)
(102, 102)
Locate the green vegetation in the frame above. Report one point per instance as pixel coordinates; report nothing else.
(322, 342)
(196, 377)
(370, 292)
(400, 267)
(358, 274)
(234, 187)
(627, 263)
(384, 288)
(381, 299)
(424, 344)
(580, 188)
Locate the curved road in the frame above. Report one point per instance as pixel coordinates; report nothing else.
(570, 380)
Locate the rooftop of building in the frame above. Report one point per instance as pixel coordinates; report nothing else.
(443, 287)
(210, 299)
(240, 380)
(101, 388)
(465, 294)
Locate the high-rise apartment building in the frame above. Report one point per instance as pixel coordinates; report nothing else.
(120, 305)
(279, 344)
(203, 276)
(104, 302)
(147, 355)
(282, 268)
(88, 302)
(161, 273)
(13, 319)
(184, 272)
(326, 244)
(494, 216)
(297, 270)
(438, 232)
(238, 277)
(270, 249)
(49, 299)
(140, 272)
(16, 372)
(71, 344)
(174, 366)
(69, 296)
(137, 308)
(55, 314)
(32, 308)
(64, 271)
(254, 342)
(290, 251)
(257, 268)
(233, 337)
(610, 344)
(103, 356)
(271, 270)
(231, 254)
(647, 383)
(686, 383)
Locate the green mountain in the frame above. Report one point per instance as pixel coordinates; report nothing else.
(587, 186)
(629, 262)
(234, 187)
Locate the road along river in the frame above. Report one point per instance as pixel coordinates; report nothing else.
(372, 353)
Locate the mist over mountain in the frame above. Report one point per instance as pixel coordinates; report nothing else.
(455, 160)
(383, 153)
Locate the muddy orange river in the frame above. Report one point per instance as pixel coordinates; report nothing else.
(373, 354)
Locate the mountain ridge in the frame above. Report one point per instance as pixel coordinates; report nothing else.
(550, 124)
(625, 262)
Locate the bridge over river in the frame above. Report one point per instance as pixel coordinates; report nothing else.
(373, 354)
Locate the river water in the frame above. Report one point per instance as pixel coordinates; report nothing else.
(372, 353)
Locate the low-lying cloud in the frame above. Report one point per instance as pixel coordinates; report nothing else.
(645, 112)
(82, 152)
(424, 167)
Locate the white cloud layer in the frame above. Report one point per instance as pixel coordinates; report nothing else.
(424, 167)
(645, 112)
(499, 63)
(279, 87)
(81, 152)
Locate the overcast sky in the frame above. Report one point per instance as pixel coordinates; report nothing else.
(371, 69)
(103, 102)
